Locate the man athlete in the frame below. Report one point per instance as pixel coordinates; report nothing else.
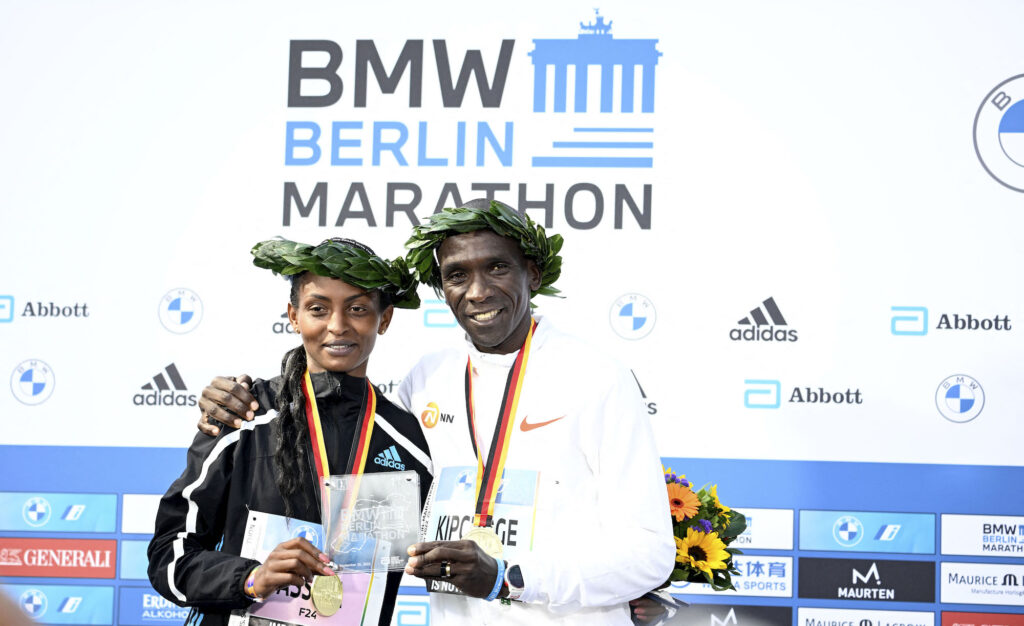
(600, 531)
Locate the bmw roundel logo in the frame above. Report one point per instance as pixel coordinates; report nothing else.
(632, 316)
(33, 603)
(847, 531)
(36, 511)
(999, 133)
(308, 533)
(960, 398)
(32, 382)
(181, 310)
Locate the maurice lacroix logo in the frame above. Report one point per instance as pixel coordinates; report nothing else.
(32, 382)
(767, 394)
(999, 133)
(960, 398)
(913, 321)
(165, 389)
(764, 323)
(181, 310)
(632, 316)
(562, 130)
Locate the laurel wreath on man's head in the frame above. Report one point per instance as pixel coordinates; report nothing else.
(501, 219)
(343, 259)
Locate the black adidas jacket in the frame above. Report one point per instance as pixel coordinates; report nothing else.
(202, 517)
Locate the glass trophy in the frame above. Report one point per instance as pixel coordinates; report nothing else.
(370, 520)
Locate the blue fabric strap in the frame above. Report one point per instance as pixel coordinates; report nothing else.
(499, 581)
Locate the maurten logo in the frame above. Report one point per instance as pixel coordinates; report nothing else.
(389, 458)
(848, 531)
(730, 618)
(32, 382)
(632, 316)
(181, 310)
(166, 389)
(764, 323)
(999, 133)
(960, 398)
(33, 603)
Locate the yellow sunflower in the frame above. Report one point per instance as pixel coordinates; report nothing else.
(682, 502)
(701, 551)
(726, 511)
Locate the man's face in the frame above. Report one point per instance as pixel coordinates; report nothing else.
(487, 283)
(339, 324)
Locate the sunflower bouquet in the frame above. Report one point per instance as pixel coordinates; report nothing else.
(703, 529)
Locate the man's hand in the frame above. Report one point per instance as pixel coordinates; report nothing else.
(294, 563)
(226, 401)
(646, 611)
(473, 570)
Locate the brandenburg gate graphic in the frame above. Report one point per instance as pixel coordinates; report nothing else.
(594, 46)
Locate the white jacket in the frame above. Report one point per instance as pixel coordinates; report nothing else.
(602, 534)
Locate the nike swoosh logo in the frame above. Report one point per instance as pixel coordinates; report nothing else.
(527, 426)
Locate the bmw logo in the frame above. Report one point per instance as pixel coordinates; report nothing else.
(32, 382)
(999, 133)
(960, 398)
(36, 512)
(33, 602)
(632, 316)
(310, 534)
(181, 310)
(847, 531)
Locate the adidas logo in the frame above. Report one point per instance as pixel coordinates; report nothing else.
(284, 326)
(763, 325)
(390, 458)
(166, 389)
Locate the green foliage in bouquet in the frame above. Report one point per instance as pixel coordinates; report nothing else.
(703, 529)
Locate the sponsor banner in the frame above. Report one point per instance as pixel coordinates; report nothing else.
(956, 618)
(57, 558)
(138, 513)
(411, 610)
(732, 615)
(865, 579)
(764, 576)
(767, 529)
(859, 531)
(983, 535)
(983, 583)
(142, 606)
(134, 562)
(64, 604)
(58, 512)
(861, 617)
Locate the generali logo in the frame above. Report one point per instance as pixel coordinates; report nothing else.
(58, 558)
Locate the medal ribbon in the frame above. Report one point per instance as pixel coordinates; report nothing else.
(488, 475)
(360, 443)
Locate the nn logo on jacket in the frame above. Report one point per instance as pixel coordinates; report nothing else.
(389, 458)
(165, 389)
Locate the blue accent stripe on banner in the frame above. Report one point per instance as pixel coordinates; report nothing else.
(613, 130)
(603, 144)
(592, 162)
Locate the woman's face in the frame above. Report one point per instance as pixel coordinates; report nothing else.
(339, 324)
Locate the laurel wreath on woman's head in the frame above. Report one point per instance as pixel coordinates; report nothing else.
(343, 259)
(497, 217)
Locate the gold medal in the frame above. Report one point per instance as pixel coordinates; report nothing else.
(487, 539)
(326, 592)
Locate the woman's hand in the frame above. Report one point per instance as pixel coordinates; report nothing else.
(292, 563)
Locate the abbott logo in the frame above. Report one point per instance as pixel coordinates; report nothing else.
(6, 309)
(909, 320)
(730, 618)
(438, 315)
(762, 394)
(871, 574)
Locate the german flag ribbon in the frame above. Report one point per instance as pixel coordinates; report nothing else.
(489, 472)
(360, 449)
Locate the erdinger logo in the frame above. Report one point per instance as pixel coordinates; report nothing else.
(166, 390)
(765, 323)
(999, 133)
(960, 398)
(32, 382)
(36, 512)
(181, 310)
(432, 415)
